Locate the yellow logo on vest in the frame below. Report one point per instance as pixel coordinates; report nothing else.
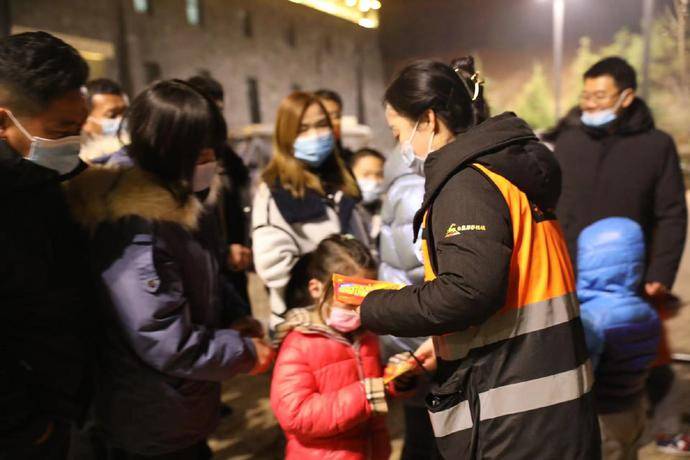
(455, 229)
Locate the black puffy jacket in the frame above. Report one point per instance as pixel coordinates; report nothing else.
(630, 169)
(45, 304)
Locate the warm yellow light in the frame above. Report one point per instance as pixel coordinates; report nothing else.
(376, 5)
(92, 55)
(368, 23)
(357, 11)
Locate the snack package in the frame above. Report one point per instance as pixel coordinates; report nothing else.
(395, 369)
(352, 291)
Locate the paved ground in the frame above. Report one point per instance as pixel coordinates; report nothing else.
(252, 432)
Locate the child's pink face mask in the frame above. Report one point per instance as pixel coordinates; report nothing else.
(344, 320)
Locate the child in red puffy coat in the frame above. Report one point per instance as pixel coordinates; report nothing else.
(327, 390)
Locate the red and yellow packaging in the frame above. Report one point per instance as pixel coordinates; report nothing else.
(352, 291)
(395, 370)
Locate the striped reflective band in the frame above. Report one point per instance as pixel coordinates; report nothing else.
(508, 324)
(516, 398)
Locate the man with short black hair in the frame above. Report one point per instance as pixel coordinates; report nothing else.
(235, 202)
(44, 281)
(615, 163)
(107, 103)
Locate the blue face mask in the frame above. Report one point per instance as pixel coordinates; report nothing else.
(314, 150)
(110, 126)
(599, 118)
(603, 117)
(61, 155)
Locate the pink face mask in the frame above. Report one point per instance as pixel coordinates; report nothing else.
(344, 320)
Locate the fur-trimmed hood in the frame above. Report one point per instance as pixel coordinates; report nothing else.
(102, 194)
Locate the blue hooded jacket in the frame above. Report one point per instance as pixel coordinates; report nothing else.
(621, 328)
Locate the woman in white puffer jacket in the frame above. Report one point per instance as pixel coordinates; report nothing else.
(306, 195)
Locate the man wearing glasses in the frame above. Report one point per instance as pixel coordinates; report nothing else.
(615, 162)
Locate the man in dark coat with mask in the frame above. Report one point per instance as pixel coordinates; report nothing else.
(616, 163)
(44, 281)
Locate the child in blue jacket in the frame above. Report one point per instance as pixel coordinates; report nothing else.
(621, 328)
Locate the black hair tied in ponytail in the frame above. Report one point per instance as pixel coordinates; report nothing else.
(448, 90)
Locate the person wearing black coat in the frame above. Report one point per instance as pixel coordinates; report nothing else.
(234, 203)
(622, 168)
(45, 300)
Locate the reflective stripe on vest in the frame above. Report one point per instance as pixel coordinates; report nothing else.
(515, 398)
(508, 324)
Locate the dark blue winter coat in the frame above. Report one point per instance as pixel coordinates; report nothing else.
(165, 342)
(621, 328)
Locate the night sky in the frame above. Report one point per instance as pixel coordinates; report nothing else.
(509, 35)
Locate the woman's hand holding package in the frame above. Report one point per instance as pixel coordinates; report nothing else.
(426, 354)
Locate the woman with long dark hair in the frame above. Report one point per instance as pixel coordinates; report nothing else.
(513, 377)
(164, 348)
(307, 194)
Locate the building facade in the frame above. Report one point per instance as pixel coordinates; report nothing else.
(260, 50)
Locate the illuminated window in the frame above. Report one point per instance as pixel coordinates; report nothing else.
(193, 11)
(141, 6)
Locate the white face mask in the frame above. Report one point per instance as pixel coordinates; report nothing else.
(61, 155)
(371, 190)
(410, 157)
(203, 176)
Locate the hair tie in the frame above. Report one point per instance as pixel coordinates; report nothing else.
(478, 81)
(475, 78)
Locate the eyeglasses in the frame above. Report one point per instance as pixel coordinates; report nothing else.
(599, 96)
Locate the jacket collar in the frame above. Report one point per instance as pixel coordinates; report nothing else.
(308, 321)
(494, 135)
(635, 119)
(312, 206)
(102, 194)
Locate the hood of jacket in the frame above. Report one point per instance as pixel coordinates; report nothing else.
(506, 145)
(107, 194)
(611, 258)
(636, 119)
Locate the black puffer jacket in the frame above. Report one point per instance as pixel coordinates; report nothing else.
(44, 302)
(513, 371)
(628, 170)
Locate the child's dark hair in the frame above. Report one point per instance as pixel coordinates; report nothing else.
(366, 152)
(448, 90)
(170, 124)
(336, 254)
